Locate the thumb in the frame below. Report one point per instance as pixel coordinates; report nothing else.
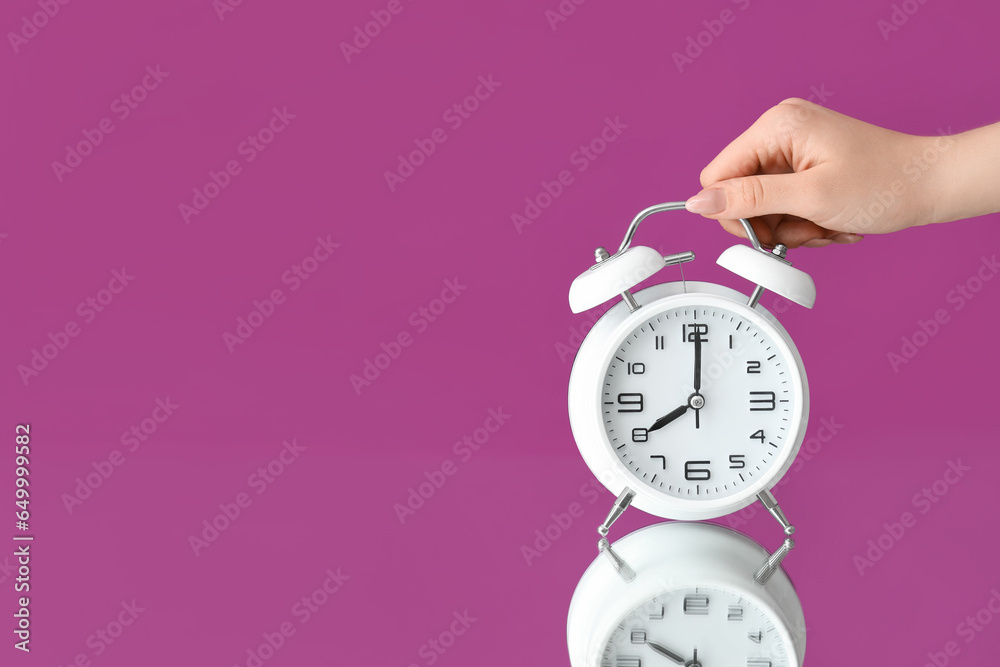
(753, 196)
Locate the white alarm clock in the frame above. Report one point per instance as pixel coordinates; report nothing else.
(693, 602)
(688, 399)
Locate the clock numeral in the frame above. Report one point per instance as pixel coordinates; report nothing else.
(735, 614)
(634, 401)
(753, 367)
(756, 637)
(660, 342)
(758, 662)
(766, 399)
(658, 614)
(696, 605)
(693, 474)
(627, 661)
(736, 461)
(637, 368)
(759, 435)
(730, 341)
(640, 435)
(663, 460)
(691, 333)
(638, 637)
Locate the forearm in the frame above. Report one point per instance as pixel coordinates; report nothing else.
(966, 178)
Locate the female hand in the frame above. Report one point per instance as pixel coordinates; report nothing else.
(806, 175)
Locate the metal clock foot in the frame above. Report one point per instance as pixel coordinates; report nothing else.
(769, 502)
(623, 569)
(604, 546)
(771, 565)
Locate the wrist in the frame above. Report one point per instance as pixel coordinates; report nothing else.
(930, 173)
(963, 177)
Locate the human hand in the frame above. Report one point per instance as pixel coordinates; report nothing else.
(809, 176)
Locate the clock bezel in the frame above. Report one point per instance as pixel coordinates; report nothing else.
(675, 556)
(587, 381)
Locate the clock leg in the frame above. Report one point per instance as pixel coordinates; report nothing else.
(771, 565)
(773, 562)
(604, 546)
(771, 505)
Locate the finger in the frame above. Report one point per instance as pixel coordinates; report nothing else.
(754, 196)
(761, 148)
(794, 232)
(789, 231)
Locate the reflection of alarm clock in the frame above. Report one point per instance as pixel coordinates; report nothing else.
(685, 395)
(693, 602)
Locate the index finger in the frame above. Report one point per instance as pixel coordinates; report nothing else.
(761, 148)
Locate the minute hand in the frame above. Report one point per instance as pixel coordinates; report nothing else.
(697, 364)
(666, 419)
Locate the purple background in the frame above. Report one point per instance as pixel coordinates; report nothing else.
(505, 343)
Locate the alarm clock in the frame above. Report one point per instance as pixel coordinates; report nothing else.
(693, 602)
(688, 399)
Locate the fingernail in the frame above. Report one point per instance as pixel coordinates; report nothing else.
(817, 243)
(847, 238)
(707, 202)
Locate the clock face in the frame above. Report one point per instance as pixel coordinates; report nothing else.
(700, 402)
(696, 626)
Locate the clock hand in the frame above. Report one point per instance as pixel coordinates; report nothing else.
(666, 419)
(697, 364)
(697, 400)
(665, 652)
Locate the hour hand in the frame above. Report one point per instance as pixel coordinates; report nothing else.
(662, 650)
(666, 419)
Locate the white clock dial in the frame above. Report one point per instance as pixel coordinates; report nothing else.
(688, 452)
(703, 625)
(693, 589)
(698, 401)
